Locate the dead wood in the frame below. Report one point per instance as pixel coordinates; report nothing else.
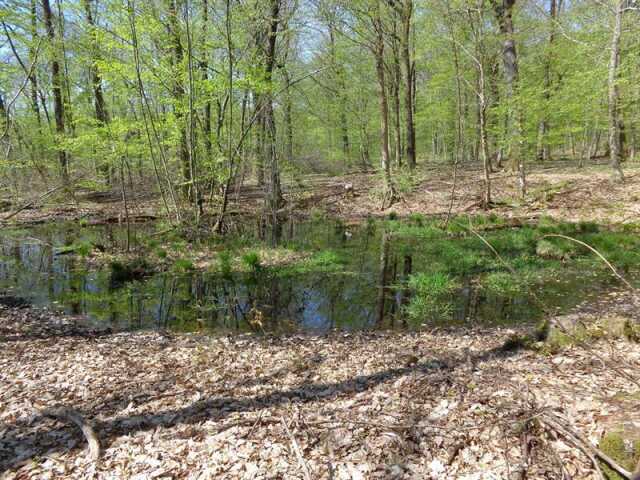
(296, 449)
(581, 442)
(66, 415)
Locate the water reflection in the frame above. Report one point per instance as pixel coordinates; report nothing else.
(371, 290)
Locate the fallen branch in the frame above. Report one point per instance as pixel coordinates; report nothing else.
(298, 452)
(67, 415)
(584, 445)
(41, 197)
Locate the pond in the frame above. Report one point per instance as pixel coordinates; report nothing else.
(382, 274)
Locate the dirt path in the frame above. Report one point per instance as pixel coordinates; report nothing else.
(434, 404)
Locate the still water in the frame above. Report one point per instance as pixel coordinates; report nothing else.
(367, 291)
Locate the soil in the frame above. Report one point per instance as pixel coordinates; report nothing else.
(390, 405)
(564, 192)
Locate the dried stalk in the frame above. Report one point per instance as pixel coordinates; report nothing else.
(298, 452)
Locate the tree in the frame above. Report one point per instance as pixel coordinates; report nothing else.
(615, 131)
(56, 85)
(504, 13)
(102, 114)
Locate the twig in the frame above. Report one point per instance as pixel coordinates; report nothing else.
(613, 269)
(585, 445)
(296, 449)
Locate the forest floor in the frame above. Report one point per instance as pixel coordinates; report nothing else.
(562, 191)
(392, 405)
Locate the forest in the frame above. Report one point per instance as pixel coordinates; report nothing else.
(320, 239)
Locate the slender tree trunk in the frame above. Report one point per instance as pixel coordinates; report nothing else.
(544, 150)
(274, 193)
(204, 67)
(407, 14)
(478, 32)
(395, 91)
(342, 100)
(615, 146)
(33, 78)
(179, 93)
(56, 84)
(504, 13)
(102, 114)
(389, 195)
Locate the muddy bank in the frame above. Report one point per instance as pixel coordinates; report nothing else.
(431, 404)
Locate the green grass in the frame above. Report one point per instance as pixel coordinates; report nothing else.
(430, 294)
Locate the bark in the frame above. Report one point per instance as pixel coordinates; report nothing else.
(56, 86)
(615, 145)
(274, 193)
(177, 57)
(102, 115)
(341, 87)
(204, 67)
(33, 78)
(407, 14)
(389, 195)
(544, 150)
(504, 13)
(395, 91)
(478, 32)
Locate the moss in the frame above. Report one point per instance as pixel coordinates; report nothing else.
(625, 453)
(517, 342)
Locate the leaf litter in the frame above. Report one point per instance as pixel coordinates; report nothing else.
(447, 403)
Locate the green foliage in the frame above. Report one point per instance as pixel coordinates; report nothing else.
(504, 284)
(224, 263)
(252, 260)
(80, 247)
(430, 294)
(183, 265)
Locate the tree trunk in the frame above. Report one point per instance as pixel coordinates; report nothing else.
(102, 115)
(204, 67)
(407, 14)
(544, 150)
(389, 195)
(33, 78)
(274, 193)
(504, 13)
(178, 94)
(395, 91)
(342, 100)
(56, 86)
(615, 147)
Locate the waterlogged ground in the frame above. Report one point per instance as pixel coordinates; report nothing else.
(314, 275)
